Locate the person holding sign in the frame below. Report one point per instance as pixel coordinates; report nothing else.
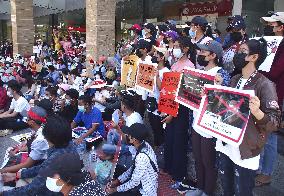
(265, 118)
(274, 26)
(203, 145)
(176, 134)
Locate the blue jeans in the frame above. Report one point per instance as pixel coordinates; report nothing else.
(268, 156)
(235, 180)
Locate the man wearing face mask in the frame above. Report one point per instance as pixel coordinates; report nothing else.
(69, 107)
(274, 26)
(68, 179)
(142, 177)
(238, 36)
(90, 116)
(12, 119)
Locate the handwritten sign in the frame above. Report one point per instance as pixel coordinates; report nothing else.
(167, 103)
(146, 76)
(273, 43)
(191, 86)
(129, 71)
(224, 113)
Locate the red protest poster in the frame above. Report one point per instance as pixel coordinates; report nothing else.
(191, 87)
(167, 103)
(224, 113)
(146, 76)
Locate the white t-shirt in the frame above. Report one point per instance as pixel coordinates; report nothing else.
(19, 105)
(195, 113)
(234, 152)
(156, 93)
(135, 117)
(39, 147)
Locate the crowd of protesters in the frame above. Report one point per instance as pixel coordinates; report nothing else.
(61, 89)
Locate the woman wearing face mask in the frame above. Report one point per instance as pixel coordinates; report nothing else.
(69, 107)
(203, 145)
(176, 134)
(153, 98)
(51, 94)
(237, 36)
(169, 40)
(265, 118)
(200, 32)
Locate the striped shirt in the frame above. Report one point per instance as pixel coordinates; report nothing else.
(143, 174)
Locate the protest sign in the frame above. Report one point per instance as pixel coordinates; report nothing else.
(129, 71)
(273, 43)
(191, 87)
(224, 113)
(167, 103)
(146, 76)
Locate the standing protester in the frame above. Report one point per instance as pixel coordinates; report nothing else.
(203, 145)
(238, 165)
(274, 26)
(176, 133)
(238, 36)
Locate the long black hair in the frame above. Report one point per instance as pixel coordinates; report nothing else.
(186, 42)
(258, 47)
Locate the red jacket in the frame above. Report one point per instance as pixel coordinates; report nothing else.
(276, 73)
(3, 98)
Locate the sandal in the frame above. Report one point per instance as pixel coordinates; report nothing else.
(262, 180)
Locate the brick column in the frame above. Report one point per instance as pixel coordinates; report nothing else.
(22, 26)
(100, 24)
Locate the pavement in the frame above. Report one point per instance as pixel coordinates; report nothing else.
(276, 188)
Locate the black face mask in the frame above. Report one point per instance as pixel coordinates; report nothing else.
(239, 61)
(154, 59)
(166, 41)
(268, 31)
(139, 53)
(201, 60)
(236, 36)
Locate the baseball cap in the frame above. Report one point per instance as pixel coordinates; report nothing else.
(237, 22)
(137, 130)
(136, 27)
(45, 104)
(70, 173)
(276, 17)
(107, 149)
(199, 20)
(212, 46)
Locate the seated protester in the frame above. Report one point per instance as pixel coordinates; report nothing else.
(265, 118)
(58, 134)
(101, 168)
(51, 94)
(90, 116)
(142, 177)
(68, 179)
(69, 106)
(37, 145)
(52, 73)
(3, 97)
(111, 104)
(12, 119)
(62, 88)
(45, 104)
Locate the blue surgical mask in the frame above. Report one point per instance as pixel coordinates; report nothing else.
(81, 108)
(192, 33)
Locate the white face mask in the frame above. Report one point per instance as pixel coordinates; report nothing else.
(143, 33)
(67, 101)
(9, 94)
(58, 92)
(52, 186)
(177, 53)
